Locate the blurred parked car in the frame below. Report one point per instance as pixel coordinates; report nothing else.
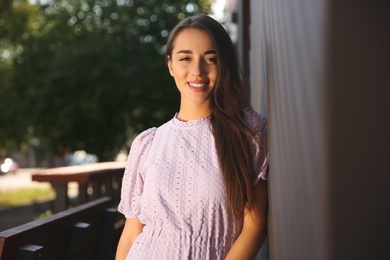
(82, 157)
(8, 165)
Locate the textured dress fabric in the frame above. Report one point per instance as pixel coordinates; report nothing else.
(173, 185)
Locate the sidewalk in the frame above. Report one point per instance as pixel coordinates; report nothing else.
(20, 179)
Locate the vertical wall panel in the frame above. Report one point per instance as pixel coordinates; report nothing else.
(321, 68)
(359, 82)
(257, 73)
(287, 60)
(257, 57)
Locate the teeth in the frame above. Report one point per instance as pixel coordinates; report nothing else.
(195, 85)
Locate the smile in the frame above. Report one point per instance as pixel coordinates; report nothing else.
(197, 85)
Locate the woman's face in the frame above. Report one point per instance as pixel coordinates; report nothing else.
(193, 64)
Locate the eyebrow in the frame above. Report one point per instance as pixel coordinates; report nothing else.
(190, 52)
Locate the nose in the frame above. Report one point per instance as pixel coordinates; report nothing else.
(198, 68)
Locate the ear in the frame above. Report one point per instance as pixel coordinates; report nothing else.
(169, 63)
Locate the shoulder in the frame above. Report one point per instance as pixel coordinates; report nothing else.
(255, 119)
(147, 136)
(144, 138)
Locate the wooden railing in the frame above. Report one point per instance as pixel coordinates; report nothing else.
(94, 181)
(88, 231)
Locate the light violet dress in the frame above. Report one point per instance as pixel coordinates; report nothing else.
(173, 185)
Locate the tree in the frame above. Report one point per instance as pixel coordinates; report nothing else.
(92, 72)
(15, 19)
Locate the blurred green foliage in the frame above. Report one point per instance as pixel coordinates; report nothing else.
(85, 74)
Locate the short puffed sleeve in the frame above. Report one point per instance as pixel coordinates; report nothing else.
(133, 178)
(260, 150)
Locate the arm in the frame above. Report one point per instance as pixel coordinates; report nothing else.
(133, 227)
(254, 227)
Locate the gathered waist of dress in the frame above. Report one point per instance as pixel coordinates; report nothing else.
(183, 236)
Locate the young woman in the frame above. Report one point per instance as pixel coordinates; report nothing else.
(194, 188)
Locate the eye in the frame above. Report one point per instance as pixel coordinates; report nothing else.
(211, 60)
(184, 59)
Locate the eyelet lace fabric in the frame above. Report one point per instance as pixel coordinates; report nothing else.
(173, 185)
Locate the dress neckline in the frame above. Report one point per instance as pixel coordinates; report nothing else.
(194, 122)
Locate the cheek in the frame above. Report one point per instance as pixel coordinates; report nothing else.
(178, 71)
(214, 74)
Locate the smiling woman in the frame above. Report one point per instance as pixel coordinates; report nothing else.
(193, 65)
(194, 188)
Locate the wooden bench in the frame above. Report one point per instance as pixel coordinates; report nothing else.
(94, 180)
(88, 231)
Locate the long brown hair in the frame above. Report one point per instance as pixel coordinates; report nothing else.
(233, 136)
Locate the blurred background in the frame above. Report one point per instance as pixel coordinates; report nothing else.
(78, 80)
(84, 75)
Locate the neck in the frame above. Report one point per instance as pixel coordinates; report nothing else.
(188, 112)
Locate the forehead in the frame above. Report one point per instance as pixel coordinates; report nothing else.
(193, 39)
